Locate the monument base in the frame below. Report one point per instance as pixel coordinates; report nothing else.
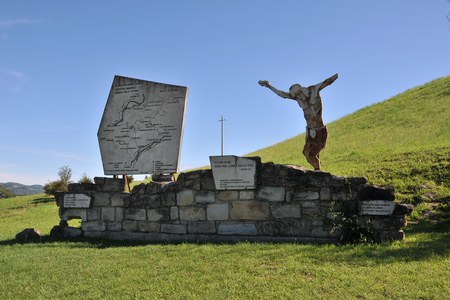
(286, 204)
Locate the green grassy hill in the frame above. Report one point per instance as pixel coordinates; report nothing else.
(403, 142)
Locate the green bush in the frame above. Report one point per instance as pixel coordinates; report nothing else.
(55, 186)
(5, 193)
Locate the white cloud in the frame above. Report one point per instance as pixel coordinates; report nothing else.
(15, 74)
(14, 81)
(47, 153)
(17, 22)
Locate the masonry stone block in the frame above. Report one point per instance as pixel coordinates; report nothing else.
(174, 228)
(318, 222)
(101, 199)
(369, 192)
(145, 226)
(286, 227)
(285, 211)
(388, 223)
(160, 214)
(320, 231)
(228, 195)
(310, 213)
(270, 193)
(207, 184)
(169, 199)
(135, 214)
(113, 226)
(185, 198)
(290, 181)
(93, 226)
(193, 184)
(341, 196)
(192, 213)
(108, 214)
(246, 195)
(310, 204)
(110, 184)
(237, 229)
(145, 201)
(73, 213)
(205, 197)
(289, 196)
(130, 225)
(217, 211)
(305, 196)
(174, 213)
(118, 215)
(249, 210)
(154, 215)
(113, 185)
(118, 199)
(207, 227)
(269, 181)
(94, 214)
(325, 193)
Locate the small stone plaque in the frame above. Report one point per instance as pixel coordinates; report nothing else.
(72, 200)
(377, 207)
(233, 173)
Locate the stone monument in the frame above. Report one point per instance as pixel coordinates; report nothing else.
(142, 126)
(239, 199)
(310, 101)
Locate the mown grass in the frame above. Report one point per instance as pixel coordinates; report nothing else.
(417, 268)
(403, 142)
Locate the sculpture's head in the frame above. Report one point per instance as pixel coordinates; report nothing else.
(295, 90)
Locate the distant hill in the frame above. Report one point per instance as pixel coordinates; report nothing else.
(403, 142)
(21, 189)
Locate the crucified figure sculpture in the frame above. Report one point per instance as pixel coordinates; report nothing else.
(309, 100)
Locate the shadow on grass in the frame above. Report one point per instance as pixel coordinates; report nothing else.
(423, 241)
(43, 200)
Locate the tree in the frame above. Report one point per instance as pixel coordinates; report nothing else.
(61, 185)
(5, 193)
(65, 173)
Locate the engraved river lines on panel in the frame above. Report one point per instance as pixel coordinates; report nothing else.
(140, 126)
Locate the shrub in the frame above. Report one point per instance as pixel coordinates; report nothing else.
(85, 179)
(55, 186)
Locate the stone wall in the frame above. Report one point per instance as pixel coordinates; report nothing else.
(289, 204)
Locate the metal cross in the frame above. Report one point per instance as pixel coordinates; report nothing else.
(222, 120)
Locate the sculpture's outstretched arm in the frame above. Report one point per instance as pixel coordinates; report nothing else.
(327, 81)
(273, 89)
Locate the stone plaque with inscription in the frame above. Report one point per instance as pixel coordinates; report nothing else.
(233, 173)
(72, 200)
(377, 207)
(142, 127)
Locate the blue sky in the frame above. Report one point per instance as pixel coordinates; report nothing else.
(58, 60)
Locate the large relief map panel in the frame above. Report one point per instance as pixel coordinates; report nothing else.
(142, 127)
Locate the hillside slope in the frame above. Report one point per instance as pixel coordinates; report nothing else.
(403, 141)
(22, 189)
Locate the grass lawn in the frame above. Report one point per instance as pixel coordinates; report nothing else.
(418, 268)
